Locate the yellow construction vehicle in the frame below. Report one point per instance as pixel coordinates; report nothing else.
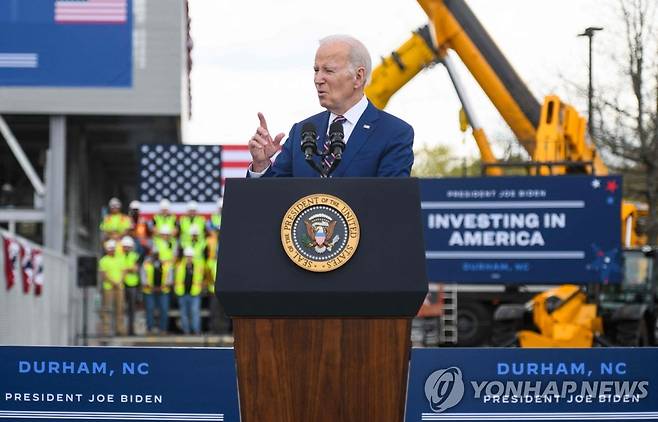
(553, 134)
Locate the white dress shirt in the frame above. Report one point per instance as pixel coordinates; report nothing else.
(352, 116)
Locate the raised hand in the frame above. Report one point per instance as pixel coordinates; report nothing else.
(262, 147)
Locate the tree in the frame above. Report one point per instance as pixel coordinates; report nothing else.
(440, 161)
(627, 122)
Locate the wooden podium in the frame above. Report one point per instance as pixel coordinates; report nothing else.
(322, 346)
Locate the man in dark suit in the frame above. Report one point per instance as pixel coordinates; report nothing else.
(377, 144)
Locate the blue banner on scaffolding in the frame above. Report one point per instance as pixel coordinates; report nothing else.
(559, 229)
(533, 384)
(66, 43)
(105, 383)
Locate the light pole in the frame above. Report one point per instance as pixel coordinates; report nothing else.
(589, 33)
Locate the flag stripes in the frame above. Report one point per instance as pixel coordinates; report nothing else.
(16, 60)
(91, 11)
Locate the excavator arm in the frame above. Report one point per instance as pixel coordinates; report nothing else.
(552, 133)
(414, 55)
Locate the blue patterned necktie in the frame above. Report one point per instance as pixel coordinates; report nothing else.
(329, 158)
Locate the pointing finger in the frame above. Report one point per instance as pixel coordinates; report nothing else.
(263, 122)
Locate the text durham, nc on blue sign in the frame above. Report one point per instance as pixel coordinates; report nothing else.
(533, 384)
(105, 383)
(66, 43)
(552, 229)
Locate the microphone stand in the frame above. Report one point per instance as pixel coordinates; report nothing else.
(314, 165)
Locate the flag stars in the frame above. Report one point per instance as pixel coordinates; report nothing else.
(611, 186)
(596, 183)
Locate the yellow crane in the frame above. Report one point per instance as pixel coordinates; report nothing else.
(553, 134)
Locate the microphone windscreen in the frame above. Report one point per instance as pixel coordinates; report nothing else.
(336, 127)
(309, 127)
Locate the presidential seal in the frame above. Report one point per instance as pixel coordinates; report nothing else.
(320, 232)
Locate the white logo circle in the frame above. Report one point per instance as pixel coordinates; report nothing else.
(444, 388)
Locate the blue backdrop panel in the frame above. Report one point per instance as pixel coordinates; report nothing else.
(55, 383)
(561, 229)
(533, 384)
(37, 51)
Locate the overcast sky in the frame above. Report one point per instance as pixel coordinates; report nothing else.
(258, 56)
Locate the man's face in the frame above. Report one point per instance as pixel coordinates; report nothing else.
(337, 86)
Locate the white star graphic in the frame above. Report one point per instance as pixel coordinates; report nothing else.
(596, 183)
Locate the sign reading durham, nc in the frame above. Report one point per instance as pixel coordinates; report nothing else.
(549, 229)
(533, 384)
(60, 383)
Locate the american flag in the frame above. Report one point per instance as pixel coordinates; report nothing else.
(91, 11)
(27, 266)
(235, 161)
(37, 270)
(179, 173)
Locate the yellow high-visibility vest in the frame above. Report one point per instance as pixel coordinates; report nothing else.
(197, 277)
(119, 223)
(149, 270)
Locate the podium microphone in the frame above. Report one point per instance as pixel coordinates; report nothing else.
(309, 136)
(310, 147)
(336, 143)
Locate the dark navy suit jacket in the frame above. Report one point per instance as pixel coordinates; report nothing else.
(380, 146)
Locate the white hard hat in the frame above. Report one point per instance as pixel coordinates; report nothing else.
(114, 203)
(194, 231)
(110, 245)
(188, 251)
(134, 205)
(192, 206)
(165, 204)
(165, 230)
(127, 242)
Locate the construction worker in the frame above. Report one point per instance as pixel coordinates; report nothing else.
(115, 224)
(213, 227)
(131, 279)
(189, 221)
(188, 283)
(166, 244)
(111, 268)
(164, 219)
(216, 218)
(157, 279)
(219, 322)
(195, 241)
(139, 229)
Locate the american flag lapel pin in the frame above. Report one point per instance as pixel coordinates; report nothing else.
(366, 126)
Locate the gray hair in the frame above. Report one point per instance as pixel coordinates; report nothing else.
(358, 54)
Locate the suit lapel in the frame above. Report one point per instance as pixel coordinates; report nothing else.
(361, 134)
